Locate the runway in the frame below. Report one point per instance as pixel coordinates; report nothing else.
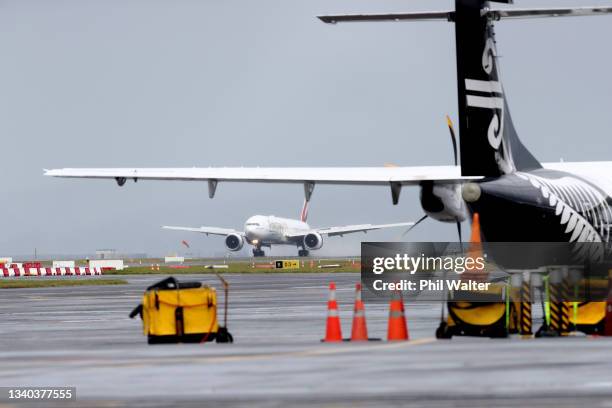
(82, 337)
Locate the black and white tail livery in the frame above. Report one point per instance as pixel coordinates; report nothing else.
(489, 144)
(552, 205)
(562, 206)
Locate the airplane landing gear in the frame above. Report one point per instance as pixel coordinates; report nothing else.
(303, 252)
(258, 252)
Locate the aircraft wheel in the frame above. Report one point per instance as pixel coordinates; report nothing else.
(303, 252)
(443, 331)
(258, 253)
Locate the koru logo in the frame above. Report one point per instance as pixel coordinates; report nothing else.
(488, 57)
(493, 97)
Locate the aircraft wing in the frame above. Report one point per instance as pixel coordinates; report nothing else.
(324, 175)
(206, 230)
(350, 229)
(395, 177)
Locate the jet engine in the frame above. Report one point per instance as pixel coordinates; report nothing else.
(443, 202)
(234, 242)
(313, 240)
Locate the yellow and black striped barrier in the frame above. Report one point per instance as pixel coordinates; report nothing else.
(561, 313)
(555, 305)
(566, 294)
(510, 310)
(525, 315)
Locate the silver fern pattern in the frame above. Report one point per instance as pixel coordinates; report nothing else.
(582, 208)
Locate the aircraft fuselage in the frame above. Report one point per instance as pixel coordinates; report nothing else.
(543, 206)
(266, 230)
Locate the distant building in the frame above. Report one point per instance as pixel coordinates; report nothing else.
(106, 253)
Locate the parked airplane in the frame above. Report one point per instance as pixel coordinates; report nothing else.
(518, 198)
(267, 230)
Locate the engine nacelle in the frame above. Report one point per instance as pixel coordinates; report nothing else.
(234, 242)
(313, 240)
(443, 202)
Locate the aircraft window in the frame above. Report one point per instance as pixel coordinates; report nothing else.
(254, 224)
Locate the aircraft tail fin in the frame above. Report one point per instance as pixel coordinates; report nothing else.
(304, 212)
(489, 144)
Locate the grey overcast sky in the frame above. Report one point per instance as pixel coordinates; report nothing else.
(258, 82)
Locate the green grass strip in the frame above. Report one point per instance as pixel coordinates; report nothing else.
(54, 283)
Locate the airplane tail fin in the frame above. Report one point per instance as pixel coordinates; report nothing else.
(489, 144)
(304, 212)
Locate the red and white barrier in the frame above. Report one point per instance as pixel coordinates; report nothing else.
(77, 271)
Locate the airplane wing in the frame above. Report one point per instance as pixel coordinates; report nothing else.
(206, 230)
(395, 177)
(325, 175)
(350, 229)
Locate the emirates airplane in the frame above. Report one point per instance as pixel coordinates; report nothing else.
(518, 198)
(267, 230)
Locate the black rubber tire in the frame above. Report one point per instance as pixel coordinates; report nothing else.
(224, 336)
(443, 331)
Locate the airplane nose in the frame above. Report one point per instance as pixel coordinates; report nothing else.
(249, 231)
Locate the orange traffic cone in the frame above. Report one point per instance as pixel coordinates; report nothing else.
(475, 251)
(359, 331)
(333, 331)
(475, 238)
(397, 329)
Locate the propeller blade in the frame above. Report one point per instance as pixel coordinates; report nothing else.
(451, 128)
(414, 225)
(460, 234)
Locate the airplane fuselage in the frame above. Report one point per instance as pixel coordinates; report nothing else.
(544, 205)
(267, 230)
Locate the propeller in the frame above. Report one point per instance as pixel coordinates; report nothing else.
(460, 234)
(451, 128)
(453, 136)
(415, 224)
